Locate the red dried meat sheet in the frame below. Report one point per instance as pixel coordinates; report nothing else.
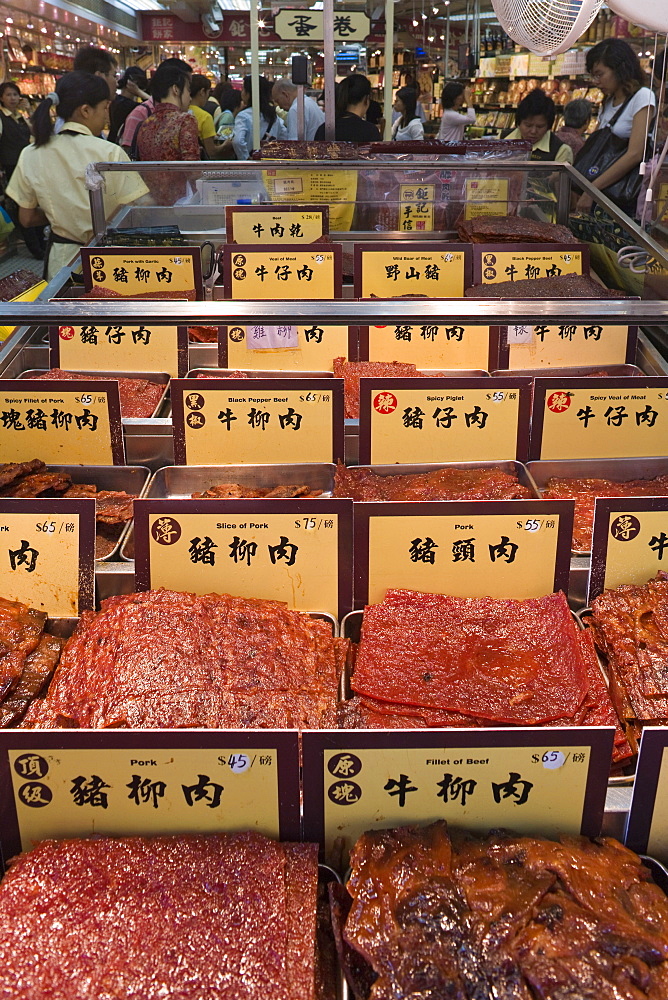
(502, 660)
(352, 371)
(451, 483)
(369, 713)
(139, 397)
(230, 916)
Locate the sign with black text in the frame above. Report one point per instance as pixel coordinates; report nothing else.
(310, 348)
(282, 272)
(566, 345)
(494, 263)
(630, 542)
(432, 346)
(158, 272)
(647, 824)
(260, 225)
(98, 347)
(398, 270)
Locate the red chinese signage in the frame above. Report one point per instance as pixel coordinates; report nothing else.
(234, 30)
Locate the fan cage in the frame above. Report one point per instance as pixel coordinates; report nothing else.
(546, 27)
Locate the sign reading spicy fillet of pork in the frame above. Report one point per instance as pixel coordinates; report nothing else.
(394, 270)
(295, 273)
(535, 781)
(252, 421)
(141, 347)
(47, 553)
(496, 548)
(493, 263)
(297, 551)
(259, 225)
(602, 418)
(61, 422)
(443, 420)
(630, 542)
(116, 783)
(146, 271)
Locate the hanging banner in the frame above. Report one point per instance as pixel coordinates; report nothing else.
(302, 25)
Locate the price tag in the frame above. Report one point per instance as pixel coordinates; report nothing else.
(47, 554)
(602, 418)
(630, 542)
(142, 347)
(294, 273)
(297, 551)
(432, 346)
(392, 270)
(258, 225)
(443, 420)
(417, 208)
(311, 348)
(490, 548)
(534, 781)
(335, 188)
(493, 263)
(62, 422)
(146, 783)
(251, 422)
(486, 196)
(171, 272)
(566, 346)
(647, 825)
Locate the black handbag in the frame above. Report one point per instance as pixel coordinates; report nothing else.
(600, 151)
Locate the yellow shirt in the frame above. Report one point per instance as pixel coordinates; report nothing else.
(205, 126)
(52, 177)
(564, 153)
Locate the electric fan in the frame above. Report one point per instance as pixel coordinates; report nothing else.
(550, 26)
(649, 14)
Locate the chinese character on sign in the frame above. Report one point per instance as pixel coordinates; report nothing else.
(258, 419)
(120, 275)
(164, 275)
(143, 790)
(86, 419)
(89, 334)
(342, 26)
(36, 420)
(454, 333)
(429, 333)
(242, 550)
(412, 417)
(625, 527)
(553, 271)
(658, 544)
(403, 333)
(392, 271)
(345, 793)
(261, 272)
(585, 414)
(431, 272)
(11, 420)
(290, 419)
(567, 332)
(593, 332)
(504, 550)
(116, 336)
(444, 416)
(614, 415)
(205, 789)
(412, 272)
(141, 336)
(165, 529)
(284, 550)
(226, 417)
(296, 230)
(540, 332)
(531, 271)
(201, 551)
(141, 274)
(304, 273)
(258, 229)
(313, 334)
(456, 789)
(511, 271)
(23, 556)
(278, 230)
(282, 272)
(423, 551)
(514, 788)
(400, 787)
(647, 416)
(463, 550)
(346, 766)
(477, 418)
(89, 793)
(61, 420)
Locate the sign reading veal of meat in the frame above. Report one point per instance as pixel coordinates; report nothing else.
(282, 273)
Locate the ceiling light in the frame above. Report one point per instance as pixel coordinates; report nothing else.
(43, 31)
(29, 26)
(9, 20)
(442, 37)
(435, 10)
(430, 38)
(415, 23)
(260, 24)
(424, 16)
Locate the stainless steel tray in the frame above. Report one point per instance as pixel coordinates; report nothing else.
(256, 373)
(179, 482)
(513, 468)
(162, 378)
(613, 371)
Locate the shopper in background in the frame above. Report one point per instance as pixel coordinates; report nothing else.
(628, 111)
(454, 121)
(271, 126)
(577, 116)
(99, 62)
(534, 119)
(141, 113)
(284, 93)
(200, 88)
(213, 104)
(132, 85)
(353, 95)
(14, 137)
(169, 133)
(230, 102)
(48, 183)
(408, 126)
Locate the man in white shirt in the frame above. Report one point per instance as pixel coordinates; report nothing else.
(284, 95)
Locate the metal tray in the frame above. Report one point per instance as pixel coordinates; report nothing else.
(256, 373)
(179, 482)
(618, 470)
(162, 378)
(612, 371)
(511, 467)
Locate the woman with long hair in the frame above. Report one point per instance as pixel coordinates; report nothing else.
(48, 183)
(628, 109)
(271, 126)
(408, 127)
(353, 96)
(454, 121)
(132, 87)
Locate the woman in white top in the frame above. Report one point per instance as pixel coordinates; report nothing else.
(615, 68)
(407, 127)
(271, 126)
(454, 122)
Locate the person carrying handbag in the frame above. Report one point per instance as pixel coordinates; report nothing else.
(611, 157)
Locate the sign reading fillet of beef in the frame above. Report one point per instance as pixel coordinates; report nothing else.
(508, 661)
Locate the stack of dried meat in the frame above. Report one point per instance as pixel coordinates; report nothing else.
(352, 371)
(512, 229)
(17, 283)
(165, 659)
(139, 397)
(443, 914)
(431, 661)
(567, 286)
(32, 479)
(630, 626)
(203, 334)
(235, 491)
(585, 491)
(225, 916)
(28, 657)
(452, 483)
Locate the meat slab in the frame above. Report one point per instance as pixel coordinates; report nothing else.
(451, 483)
(352, 371)
(139, 397)
(512, 229)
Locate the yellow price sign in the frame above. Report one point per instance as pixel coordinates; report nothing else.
(133, 271)
(494, 263)
(566, 345)
(393, 270)
(432, 346)
(298, 348)
(100, 347)
(259, 225)
(282, 273)
(335, 188)
(630, 542)
(486, 196)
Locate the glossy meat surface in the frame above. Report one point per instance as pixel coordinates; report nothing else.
(138, 396)
(352, 371)
(585, 491)
(163, 659)
(453, 916)
(221, 917)
(451, 483)
(227, 491)
(567, 286)
(512, 229)
(10, 472)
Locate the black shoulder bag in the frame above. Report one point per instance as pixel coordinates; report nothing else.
(600, 151)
